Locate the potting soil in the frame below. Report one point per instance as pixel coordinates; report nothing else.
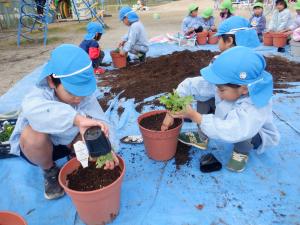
(154, 122)
(92, 178)
(182, 156)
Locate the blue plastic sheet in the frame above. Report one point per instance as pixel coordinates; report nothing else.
(156, 193)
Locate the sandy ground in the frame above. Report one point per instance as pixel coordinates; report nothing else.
(15, 62)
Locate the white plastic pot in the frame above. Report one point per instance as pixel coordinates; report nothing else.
(295, 48)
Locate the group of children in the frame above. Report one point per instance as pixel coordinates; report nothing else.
(281, 20)
(233, 102)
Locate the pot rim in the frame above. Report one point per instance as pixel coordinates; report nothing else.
(94, 191)
(157, 112)
(14, 214)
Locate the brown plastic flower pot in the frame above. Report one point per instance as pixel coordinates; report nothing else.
(11, 218)
(98, 206)
(119, 61)
(160, 145)
(268, 39)
(212, 40)
(279, 39)
(202, 37)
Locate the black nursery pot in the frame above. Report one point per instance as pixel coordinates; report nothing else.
(96, 142)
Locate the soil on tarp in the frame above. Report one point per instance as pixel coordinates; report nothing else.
(182, 156)
(92, 178)
(154, 122)
(163, 74)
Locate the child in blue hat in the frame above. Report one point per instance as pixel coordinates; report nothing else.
(135, 42)
(91, 46)
(243, 93)
(61, 106)
(233, 31)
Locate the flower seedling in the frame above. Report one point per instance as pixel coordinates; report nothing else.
(174, 102)
(117, 50)
(101, 160)
(6, 132)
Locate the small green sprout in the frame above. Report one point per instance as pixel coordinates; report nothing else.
(101, 160)
(174, 102)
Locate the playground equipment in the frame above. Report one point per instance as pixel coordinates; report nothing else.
(31, 24)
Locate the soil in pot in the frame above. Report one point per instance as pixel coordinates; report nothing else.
(154, 122)
(92, 178)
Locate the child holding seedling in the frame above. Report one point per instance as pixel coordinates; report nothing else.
(192, 23)
(60, 107)
(208, 20)
(258, 20)
(226, 10)
(91, 46)
(135, 42)
(243, 93)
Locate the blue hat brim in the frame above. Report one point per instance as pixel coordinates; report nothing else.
(89, 36)
(209, 75)
(46, 71)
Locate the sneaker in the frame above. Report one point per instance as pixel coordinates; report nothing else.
(193, 139)
(52, 188)
(238, 162)
(142, 57)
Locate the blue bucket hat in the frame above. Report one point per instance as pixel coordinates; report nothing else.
(126, 11)
(92, 29)
(240, 27)
(230, 68)
(74, 68)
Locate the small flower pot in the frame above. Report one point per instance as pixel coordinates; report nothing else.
(96, 141)
(118, 60)
(202, 37)
(268, 39)
(279, 39)
(94, 207)
(160, 145)
(212, 40)
(11, 218)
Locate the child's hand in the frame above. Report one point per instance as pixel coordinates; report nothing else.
(189, 113)
(83, 123)
(122, 53)
(122, 43)
(168, 121)
(213, 28)
(112, 164)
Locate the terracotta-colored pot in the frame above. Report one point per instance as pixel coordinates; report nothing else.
(11, 218)
(202, 37)
(118, 60)
(279, 39)
(98, 206)
(268, 39)
(212, 40)
(160, 145)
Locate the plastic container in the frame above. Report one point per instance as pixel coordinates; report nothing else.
(96, 141)
(279, 39)
(202, 37)
(160, 145)
(98, 206)
(268, 39)
(118, 60)
(11, 218)
(295, 48)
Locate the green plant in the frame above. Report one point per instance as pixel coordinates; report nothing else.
(174, 102)
(6, 133)
(101, 160)
(117, 50)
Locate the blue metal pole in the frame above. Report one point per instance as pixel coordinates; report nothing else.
(75, 9)
(45, 21)
(19, 25)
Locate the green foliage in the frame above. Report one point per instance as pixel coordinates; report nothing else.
(174, 102)
(6, 133)
(103, 158)
(117, 50)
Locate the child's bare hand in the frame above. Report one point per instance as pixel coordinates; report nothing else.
(121, 44)
(188, 113)
(168, 121)
(122, 53)
(112, 164)
(83, 123)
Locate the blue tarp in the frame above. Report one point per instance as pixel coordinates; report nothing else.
(155, 193)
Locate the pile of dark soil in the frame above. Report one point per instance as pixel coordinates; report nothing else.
(92, 178)
(163, 74)
(154, 122)
(182, 156)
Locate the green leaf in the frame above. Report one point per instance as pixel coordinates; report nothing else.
(101, 160)
(6, 133)
(174, 103)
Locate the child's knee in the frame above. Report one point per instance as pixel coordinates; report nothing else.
(32, 139)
